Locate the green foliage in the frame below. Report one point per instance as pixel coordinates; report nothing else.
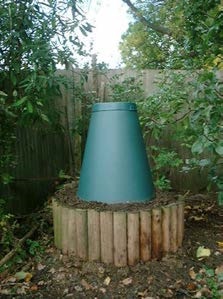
(204, 29)
(125, 89)
(190, 108)
(7, 139)
(36, 37)
(141, 48)
(63, 175)
(191, 37)
(163, 159)
(212, 281)
(34, 248)
(8, 225)
(130, 90)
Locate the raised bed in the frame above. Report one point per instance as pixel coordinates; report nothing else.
(117, 236)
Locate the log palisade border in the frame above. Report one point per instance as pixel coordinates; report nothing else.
(118, 237)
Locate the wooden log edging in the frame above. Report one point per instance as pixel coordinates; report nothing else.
(118, 237)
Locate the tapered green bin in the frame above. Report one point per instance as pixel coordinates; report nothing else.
(115, 167)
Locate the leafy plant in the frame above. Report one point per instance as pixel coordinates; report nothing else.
(163, 160)
(8, 225)
(125, 89)
(130, 89)
(36, 36)
(208, 275)
(173, 34)
(190, 111)
(34, 248)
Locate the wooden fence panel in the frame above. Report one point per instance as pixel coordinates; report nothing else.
(40, 155)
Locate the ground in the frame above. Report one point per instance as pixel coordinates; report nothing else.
(182, 275)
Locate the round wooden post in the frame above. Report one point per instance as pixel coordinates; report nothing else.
(72, 232)
(166, 229)
(82, 233)
(64, 228)
(56, 228)
(145, 235)
(173, 228)
(180, 223)
(120, 239)
(93, 235)
(106, 226)
(156, 234)
(133, 238)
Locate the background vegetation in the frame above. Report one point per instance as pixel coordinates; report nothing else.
(182, 35)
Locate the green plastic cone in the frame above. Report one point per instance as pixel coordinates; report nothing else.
(115, 167)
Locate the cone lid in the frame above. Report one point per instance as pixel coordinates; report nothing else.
(114, 106)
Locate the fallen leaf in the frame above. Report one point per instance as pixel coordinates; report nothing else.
(206, 293)
(103, 290)
(61, 269)
(5, 292)
(198, 295)
(202, 271)
(23, 276)
(220, 244)
(150, 279)
(192, 274)
(22, 290)
(203, 252)
(143, 294)
(49, 250)
(197, 207)
(60, 276)
(70, 295)
(40, 267)
(107, 280)
(169, 293)
(209, 208)
(34, 287)
(86, 285)
(191, 286)
(78, 288)
(188, 208)
(52, 270)
(219, 270)
(65, 292)
(11, 279)
(127, 281)
(28, 277)
(20, 275)
(196, 218)
(101, 270)
(41, 283)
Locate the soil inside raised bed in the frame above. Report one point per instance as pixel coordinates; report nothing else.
(67, 195)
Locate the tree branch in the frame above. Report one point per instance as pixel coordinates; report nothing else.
(8, 256)
(143, 20)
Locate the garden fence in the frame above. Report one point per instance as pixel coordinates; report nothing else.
(43, 155)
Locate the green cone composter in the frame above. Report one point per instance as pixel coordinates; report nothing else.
(115, 167)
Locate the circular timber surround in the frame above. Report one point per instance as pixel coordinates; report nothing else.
(118, 237)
